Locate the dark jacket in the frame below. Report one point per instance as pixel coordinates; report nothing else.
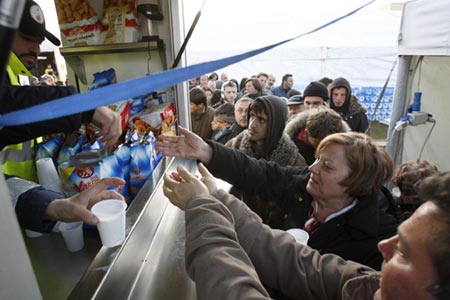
(31, 201)
(353, 235)
(280, 91)
(352, 111)
(236, 129)
(19, 97)
(285, 154)
(201, 122)
(278, 148)
(222, 135)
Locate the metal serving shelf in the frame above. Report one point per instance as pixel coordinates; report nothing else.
(150, 264)
(113, 48)
(76, 56)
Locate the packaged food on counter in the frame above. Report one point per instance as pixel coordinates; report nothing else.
(72, 145)
(162, 117)
(49, 147)
(118, 165)
(103, 78)
(144, 159)
(79, 23)
(120, 22)
(82, 171)
(123, 109)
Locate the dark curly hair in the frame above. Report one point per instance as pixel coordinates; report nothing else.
(408, 176)
(436, 188)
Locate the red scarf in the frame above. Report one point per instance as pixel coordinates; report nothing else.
(303, 137)
(312, 224)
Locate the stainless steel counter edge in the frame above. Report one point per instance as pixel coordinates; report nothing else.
(153, 224)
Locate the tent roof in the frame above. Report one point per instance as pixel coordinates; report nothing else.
(250, 24)
(425, 28)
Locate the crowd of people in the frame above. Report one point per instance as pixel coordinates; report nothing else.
(208, 93)
(310, 166)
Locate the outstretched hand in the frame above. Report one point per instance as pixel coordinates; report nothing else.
(181, 186)
(208, 179)
(187, 144)
(109, 123)
(77, 208)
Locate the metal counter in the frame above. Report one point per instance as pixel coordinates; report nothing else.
(149, 265)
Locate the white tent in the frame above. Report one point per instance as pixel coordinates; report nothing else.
(361, 47)
(424, 66)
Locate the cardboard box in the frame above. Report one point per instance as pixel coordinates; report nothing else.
(122, 108)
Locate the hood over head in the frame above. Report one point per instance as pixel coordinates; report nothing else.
(338, 83)
(276, 110)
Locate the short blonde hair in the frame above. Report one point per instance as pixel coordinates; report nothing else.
(370, 165)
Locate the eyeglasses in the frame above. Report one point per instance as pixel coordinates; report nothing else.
(241, 111)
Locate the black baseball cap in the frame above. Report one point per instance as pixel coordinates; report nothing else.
(295, 100)
(32, 23)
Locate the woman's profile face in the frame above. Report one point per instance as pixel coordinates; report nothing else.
(329, 169)
(251, 88)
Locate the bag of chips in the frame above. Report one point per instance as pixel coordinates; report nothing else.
(79, 23)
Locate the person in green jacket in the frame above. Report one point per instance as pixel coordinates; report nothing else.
(17, 160)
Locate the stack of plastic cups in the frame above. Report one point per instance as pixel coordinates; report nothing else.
(48, 178)
(47, 175)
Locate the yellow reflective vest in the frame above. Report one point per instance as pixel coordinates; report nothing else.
(18, 159)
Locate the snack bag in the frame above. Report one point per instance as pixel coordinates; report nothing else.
(49, 148)
(82, 171)
(120, 22)
(79, 23)
(161, 118)
(137, 104)
(71, 146)
(103, 78)
(117, 165)
(141, 167)
(155, 155)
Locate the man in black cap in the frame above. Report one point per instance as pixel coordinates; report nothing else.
(18, 159)
(315, 95)
(26, 45)
(34, 205)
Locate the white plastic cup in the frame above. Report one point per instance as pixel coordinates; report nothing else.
(33, 234)
(73, 235)
(300, 235)
(111, 214)
(47, 175)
